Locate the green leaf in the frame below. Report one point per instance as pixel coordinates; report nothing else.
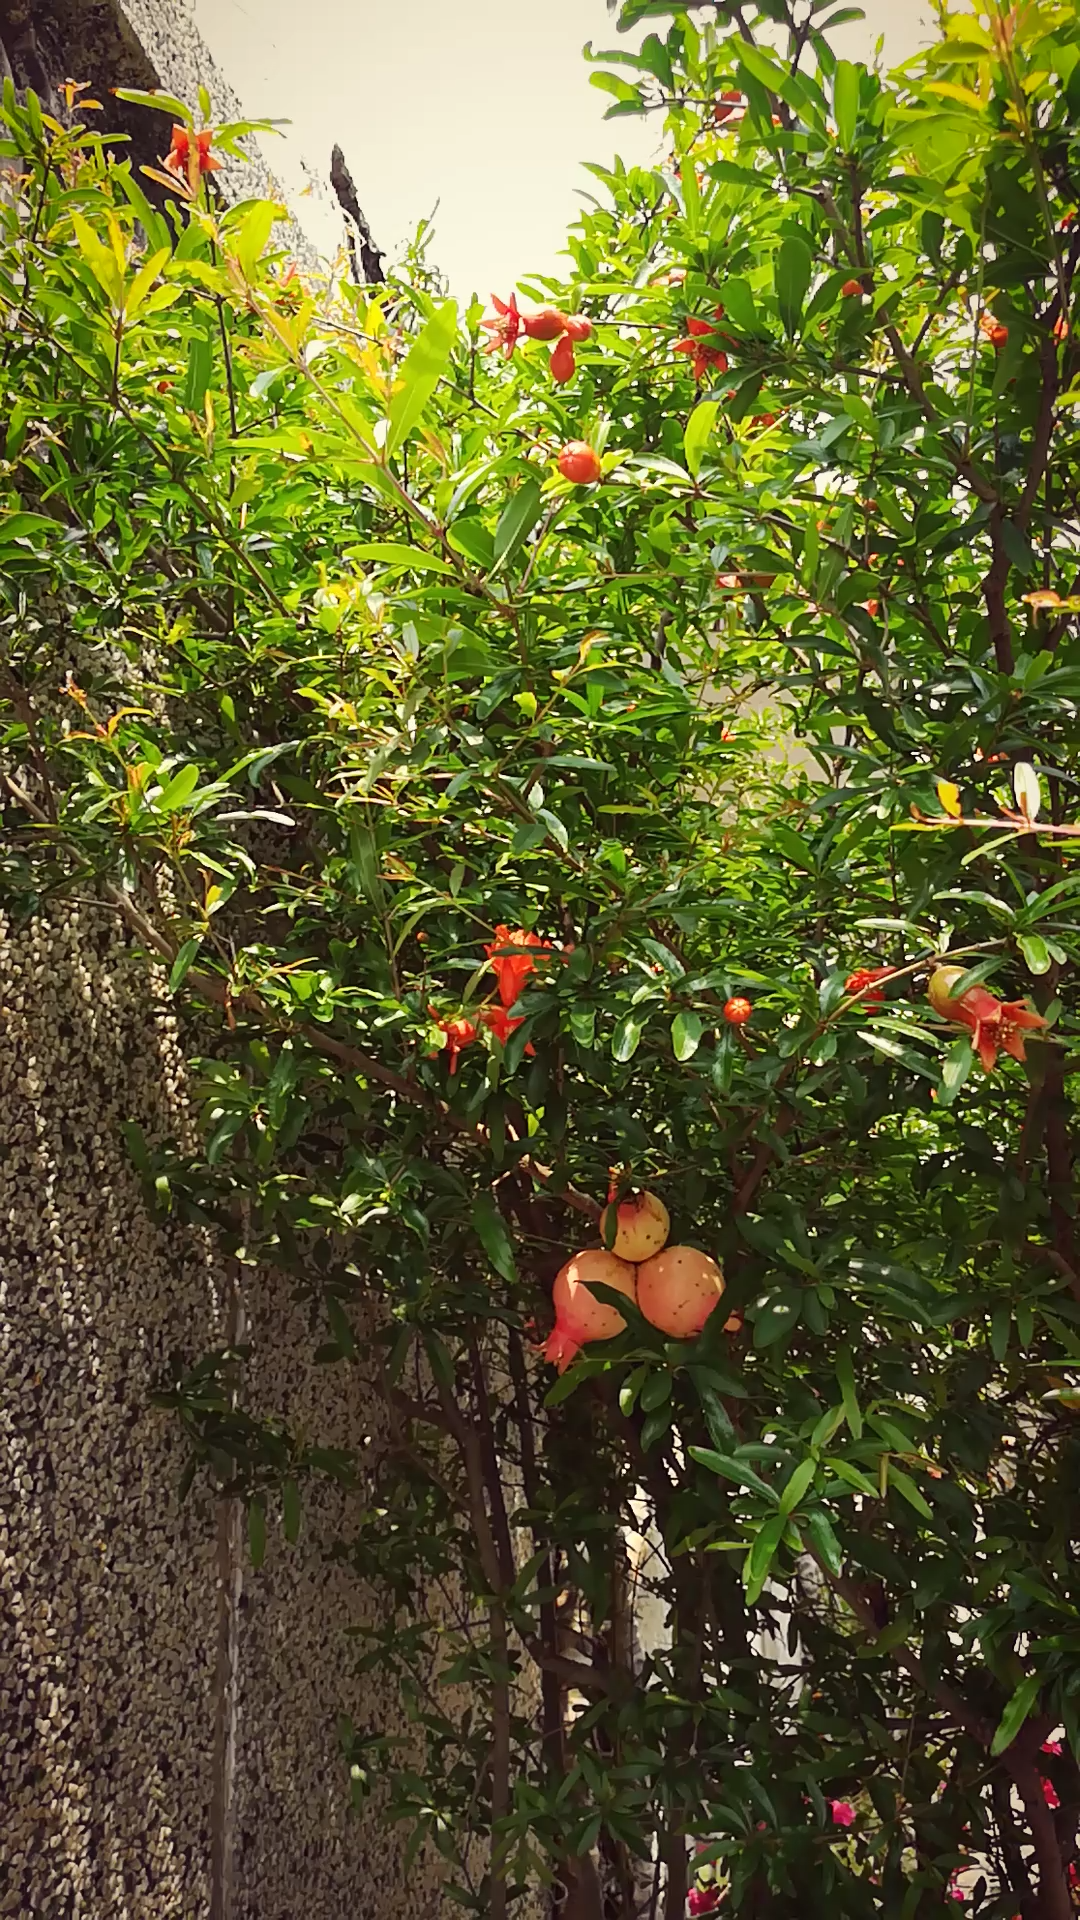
(100, 259)
(794, 267)
(491, 1231)
(905, 1485)
(777, 1318)
(256, 1529)
(424, 366)
(846, 102)
(164, 102)
(800, 1480)
(955, 1068)
(627, 1034)
(731, 1469)
(1015, 1714)
(686, 1032)
(761, 1555)
(248, 235)
(845, 1380)
(178, 791)
(184, 958)
(395, 554)
(717, 1419)
(200, 365)
(698, 430)
(516, 522)
(340, 1324)
(25, 526)
(1035, 951)
(656, 1391)
(817, 1528)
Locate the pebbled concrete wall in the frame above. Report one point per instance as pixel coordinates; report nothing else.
(166, 1716)
(148, 44)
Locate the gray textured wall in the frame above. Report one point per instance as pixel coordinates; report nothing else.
(166, 1717)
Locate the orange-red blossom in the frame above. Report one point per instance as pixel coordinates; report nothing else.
(700, 344)
(546, 323)
(188, 162)
(512, 954)
(995, 1025)
(864, 981)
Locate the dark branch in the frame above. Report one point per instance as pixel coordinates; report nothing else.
(369, 272)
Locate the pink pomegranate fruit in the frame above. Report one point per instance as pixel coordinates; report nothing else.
(579, 1316)
(678, 1289)
(642, 1226)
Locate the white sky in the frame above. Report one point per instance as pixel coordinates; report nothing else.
(483, 106)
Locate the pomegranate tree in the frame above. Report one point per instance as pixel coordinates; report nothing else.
(326, 700)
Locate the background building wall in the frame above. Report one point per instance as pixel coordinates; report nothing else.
(166, 1716)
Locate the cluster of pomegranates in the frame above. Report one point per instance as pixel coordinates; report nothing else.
(676, 1288)
(546, 323)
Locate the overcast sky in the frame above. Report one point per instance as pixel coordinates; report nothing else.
(481, 106)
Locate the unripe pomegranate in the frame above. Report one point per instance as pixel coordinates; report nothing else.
(562, 361)
(577, 326)
(580, 463)
(678, 1289)
(643, 1225)
(547, 323)
(939, 992)
(579, 1316)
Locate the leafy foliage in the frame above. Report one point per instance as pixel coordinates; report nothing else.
(320, 674)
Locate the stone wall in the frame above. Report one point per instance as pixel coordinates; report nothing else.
(145, 44)
(166, 1716)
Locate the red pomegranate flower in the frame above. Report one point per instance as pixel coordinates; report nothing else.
(703, 356)
(512, 956)
(995, 330)
(179, 159)
(499, 1022)
(995, 1025)
(460, 1033)
(737, 1011)
(865, 977)
(505, 327)
(843, 1813)
(703, 1900)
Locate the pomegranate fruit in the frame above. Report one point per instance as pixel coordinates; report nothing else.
(577, 326)
(547, 323)
(939, 992)
(562, 361)
(642, 1226)
(580, 463)
(579, 1316)
(678, 1289)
